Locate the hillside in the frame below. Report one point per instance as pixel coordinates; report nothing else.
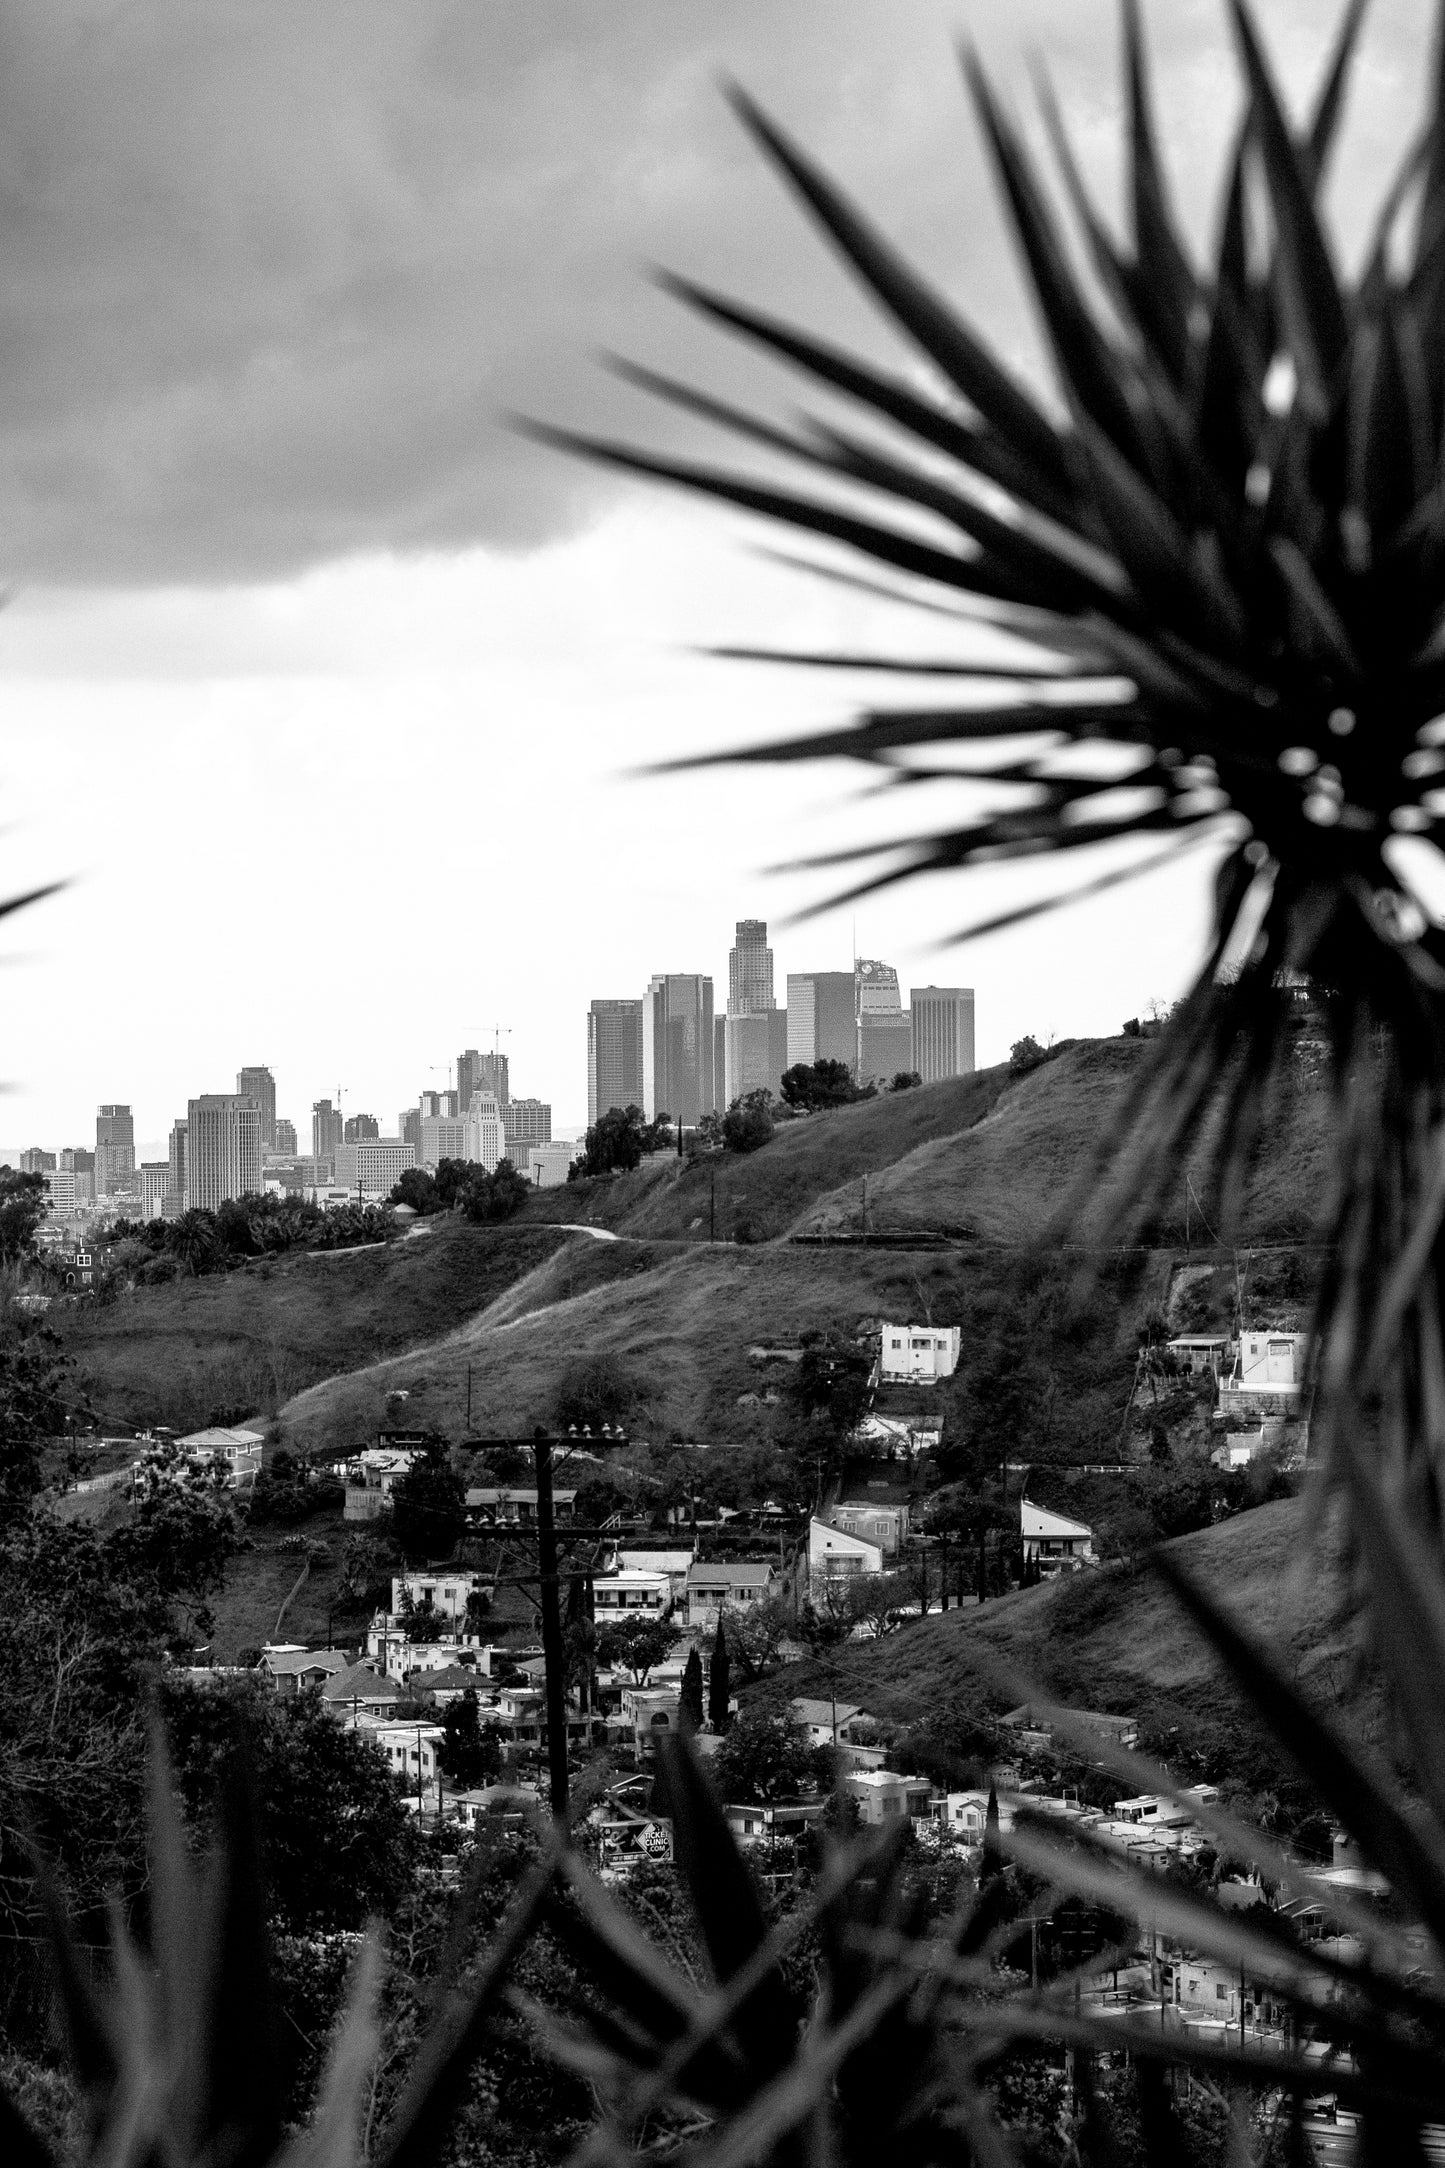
(1117, 1641)
(675, 1316)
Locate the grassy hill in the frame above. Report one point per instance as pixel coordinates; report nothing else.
(1117, 1641)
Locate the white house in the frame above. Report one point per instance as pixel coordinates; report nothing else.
(630, 1594)
(237, 1451)
(918, 1354)
(885, 1525)
(513, 1508)
(884, 1796)
(444, 1593)
(1058, 1544)
(833, 1551)
(1197, 1352)
(819, 1718)
(652, 1712)
(1268, 1375)
(291, 1669)
(712, 1584)
(965, 1815)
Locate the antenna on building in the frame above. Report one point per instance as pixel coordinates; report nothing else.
(499, 1032)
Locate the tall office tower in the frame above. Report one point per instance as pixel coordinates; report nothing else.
(942, 1031)
(484, 1138)
(155, 1181)
(439, 1106)
(114, 1150)
(37, 1162)
(719, 1058)
(469, 1066)
(260, 1085)
(755, 1054)
(750, 969)
(408, 1128)
(822, 1018)
(492, 1076)
(223, 1149)
(442, 1137)
(678, 1048)
(326, 1130)
(361, 1129)
(60, 1193)
(526, 1122)
(885, 1028)
(176, 1199)
(76, 1160)
(285, 1137)
(614, 1056)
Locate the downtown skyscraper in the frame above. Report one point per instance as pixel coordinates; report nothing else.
(677, 1048)
(259, 1084)
(223, 1149)
(614, 1057)
(755, 1030)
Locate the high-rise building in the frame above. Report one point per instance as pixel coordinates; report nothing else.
(885, 1029)
(526, 1122)
(755, 1037)
(176, 1195)
(361, 1128)
(114, 1150)
(223, 1149)
(408, 1128)
(484, 1139)
(755, 1053)
(155, 1181)
(942, 1031)
(374, 1165)
(614, 1056)
(260, 1085)
(327, 1130)
(750, 969)
(442, 1137)
(60, 1193)
(822, 1018)
(492, 1076)
(76, 1160)
(677, 1048)
(469, 1067)
(720, 1058)
(286, 1138)
(37, 1162)
(440, 1106)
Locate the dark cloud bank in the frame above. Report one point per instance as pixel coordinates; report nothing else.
(271, 271)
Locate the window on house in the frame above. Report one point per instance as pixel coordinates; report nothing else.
(1220, 1992)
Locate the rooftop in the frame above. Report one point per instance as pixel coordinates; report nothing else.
(730, 1573)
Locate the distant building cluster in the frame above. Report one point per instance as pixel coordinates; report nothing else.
(669, 1052)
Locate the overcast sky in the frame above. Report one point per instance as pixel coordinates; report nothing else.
(320, 682)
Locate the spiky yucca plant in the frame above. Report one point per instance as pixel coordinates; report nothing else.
(1224, 545)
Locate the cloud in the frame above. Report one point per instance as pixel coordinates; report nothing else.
(271, 274)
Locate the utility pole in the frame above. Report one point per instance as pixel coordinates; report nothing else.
(712, 1209)
(469, 1399)
(551, 1629)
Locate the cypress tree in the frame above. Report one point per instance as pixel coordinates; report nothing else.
(690, 1699)
(992, 1861)
(717, 1684)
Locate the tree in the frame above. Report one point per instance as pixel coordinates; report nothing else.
(617, 1140)
(468, 1755)
(32, 1409)
(831, 1380)
(337, 1842)
(766, 1756)
(22, 1208)
(429, 1504)
(690, 1696)
(451, 1178)
(496, 1196)
(637, 1644)
(1025, 1054)
(748, 1122)
(193, 1239)
(879, 1603)
(992, 1863)
(756, 1633)
(906, 1080)
(811, 1085)
(417, 1189)
(719, 1695)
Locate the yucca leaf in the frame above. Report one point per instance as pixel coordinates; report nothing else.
(929, 321)
(1317, 312)
(1155, 553)
(334, 2137)
(1327, 634)
(973, 443)
(1330, 103)
(1095, 374)
(1164, 286)
(923, 666)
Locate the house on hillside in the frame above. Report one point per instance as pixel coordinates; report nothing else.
(1198, 1352)
(1268, 1376)
(918, 1354)
(515, 1508)
(763, 1824)
(821, 1717)
(638, 1558)
(628, 1594)
(1035, 1726)
(883, 1795)
(442, 1594)
(1055, 1543)
(964, 1815)
(290, 1669)
(832, 1551)
(236, 1453)
(714, 1583)
(359, 1692)
(369, 1478)
(877, 1521)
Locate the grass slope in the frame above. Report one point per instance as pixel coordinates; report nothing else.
(1117, 1641)
(251, 1339)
